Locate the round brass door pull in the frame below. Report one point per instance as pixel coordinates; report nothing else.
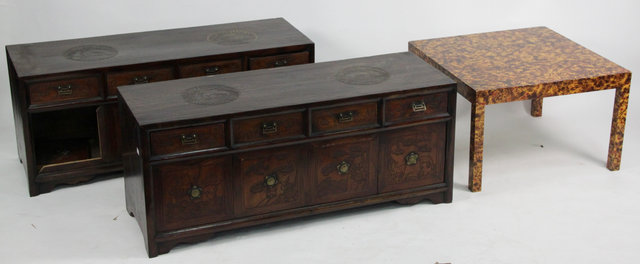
(271, 179)
(343, 167)
(411, 158)
(194, 192)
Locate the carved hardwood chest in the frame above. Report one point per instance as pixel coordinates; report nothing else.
(203, 155)
(64, 92)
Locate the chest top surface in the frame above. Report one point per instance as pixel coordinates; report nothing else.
(513, 58)
(143, 47)
(234, 93)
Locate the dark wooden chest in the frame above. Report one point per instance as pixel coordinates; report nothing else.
(64, 92)
(204, 155)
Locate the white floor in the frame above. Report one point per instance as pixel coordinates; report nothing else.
(547, 198)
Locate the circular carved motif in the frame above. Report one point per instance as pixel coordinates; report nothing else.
(90, 53)
(232, 37)
(210, 95)
(362, 75)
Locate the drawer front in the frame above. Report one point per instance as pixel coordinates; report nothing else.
(412, 157)
(65, 90)
(416, 107)
(270, 180)
(343, 169)
(342, 118)
(191, 193)
(268, 128)
(278, 60)
(187, 139)
(209, 68)
(116, 79)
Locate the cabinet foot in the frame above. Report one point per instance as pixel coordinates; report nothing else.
(435, 198)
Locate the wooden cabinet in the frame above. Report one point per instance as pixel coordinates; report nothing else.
(64, 92)
(285, 143)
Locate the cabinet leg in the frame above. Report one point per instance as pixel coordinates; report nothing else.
(475, 150)
(435, 198)
(617, 127)
(536, 107)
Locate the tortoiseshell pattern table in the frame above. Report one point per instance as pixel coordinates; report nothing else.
(524, 64)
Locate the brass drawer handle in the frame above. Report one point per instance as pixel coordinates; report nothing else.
(419, 106)
(271, 180)
(269, 127)
(64, 90)
(211, 70)
(343, 167)
(280, 62)
(189, 139)
(194, 192)
(345, 117)
(141, 79)
(411, 158)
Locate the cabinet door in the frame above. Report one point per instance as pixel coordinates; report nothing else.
(343, 169)
(190, 193)
(270, 180)
(412, 157)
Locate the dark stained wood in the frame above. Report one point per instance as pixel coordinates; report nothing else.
(278, 60)
(291, 155)
(187, 139)
(411, 108)
(59, 77)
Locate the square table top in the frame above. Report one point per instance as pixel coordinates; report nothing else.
(519, 64)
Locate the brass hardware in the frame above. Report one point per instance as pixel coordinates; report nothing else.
(343, 167)
(269, 127)
(64, 90)
(281, 62)
(271, 179)
(411, 158)
(194, 192)
(211, 70)
(345, 117)
(419, 106)
(140, 79)
(189, 139)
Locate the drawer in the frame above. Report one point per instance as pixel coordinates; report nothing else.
(412, 157)
(116, 79)
(194, 192)
(415, 107)
(282, 126)
(209, 68)
(65, 90)
(278, 60)
(345, 117)
(270, 180)
(343, 169)
(187, 139)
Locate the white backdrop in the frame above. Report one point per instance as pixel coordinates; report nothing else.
(557, 204)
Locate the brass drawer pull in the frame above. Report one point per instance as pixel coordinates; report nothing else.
(343, 167)
(64, 90)
(280, 62)
(140, 79)
(345, 117)
(271, 180)
(269, 127)
(194, 192)
(211, 70)
(189, 139)
(419, 106)
(411, 158)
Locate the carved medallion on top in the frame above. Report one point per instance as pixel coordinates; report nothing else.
(362, 75)
(210, 95)
(232, 37)
(90, 53)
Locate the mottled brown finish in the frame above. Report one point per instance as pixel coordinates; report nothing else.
(358, 177)
(56, 78)
(187, 139)
(278, 60)
(525, 64)
(401, 109)
(311, 164)
(476, 147)
(344, 118)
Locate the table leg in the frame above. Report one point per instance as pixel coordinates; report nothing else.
(475, 150)
(617, 127)
(536, 107)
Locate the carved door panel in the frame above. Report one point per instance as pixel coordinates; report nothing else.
(343, 169)
(193, 192)
(270, 180)
(412, 157)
